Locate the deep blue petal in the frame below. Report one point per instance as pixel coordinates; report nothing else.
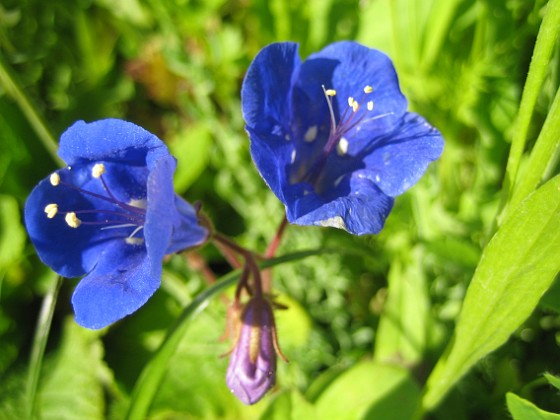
(160, 212)
(186, 232)
(403, 157)
(348, 67)
(267, 86)
(58, 245)
(270, 154)
(122, 281)
(109, 140)
(356, 205)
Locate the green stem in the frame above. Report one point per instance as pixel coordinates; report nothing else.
(542, 154)
(13, 89)
(147, 384)
(39, 343)
(544, 46)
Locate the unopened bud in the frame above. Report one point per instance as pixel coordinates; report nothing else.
(252, 364)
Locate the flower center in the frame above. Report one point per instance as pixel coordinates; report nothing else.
(358, 112)
(119, 215)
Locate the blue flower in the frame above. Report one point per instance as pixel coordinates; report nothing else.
(110, 215)
(331, 135)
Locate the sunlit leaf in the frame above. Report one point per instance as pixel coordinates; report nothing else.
(515, 270)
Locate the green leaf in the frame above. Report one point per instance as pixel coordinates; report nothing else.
(370, 390)
(289, 405)
(553, 380)
(544, 47)
(72, 387)
(191, 147)
(12, 234)
(522, 409)
(516, 268)
(401, 335)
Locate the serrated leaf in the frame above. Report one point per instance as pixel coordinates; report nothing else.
(522, 409)
(516, 268)
(72, 387)
(370, 390)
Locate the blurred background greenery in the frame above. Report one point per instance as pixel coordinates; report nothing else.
(175, 68)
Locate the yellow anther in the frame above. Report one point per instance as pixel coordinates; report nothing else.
(342, 146)
(55, 179)
(330, 92)
(72, 220)
(370, 105)
(51, 210)
(97, 170)
(352, 103)
(368, 89)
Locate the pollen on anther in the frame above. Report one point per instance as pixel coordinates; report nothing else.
(97, 170)
(54, 179)
(72, 220)
(330, 92)
(51, 210)
(370, 106)
(352, 103)
(342, 146)
(368, 89)
(310, 134)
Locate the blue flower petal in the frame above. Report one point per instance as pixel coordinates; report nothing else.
(121, 282)
(264, 93)
(400, 162)
(357, 205)
(123, 218)
(109, 140)
(337, 158)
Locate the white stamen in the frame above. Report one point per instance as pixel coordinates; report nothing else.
(330, 92)
(51, 210)
(54, 179)
(342, 146)
(338, 180)
(293, 156)
(310, 134)
(287, 137)
(72, 220)
(97, 170)
(124, 225)
(370, 105)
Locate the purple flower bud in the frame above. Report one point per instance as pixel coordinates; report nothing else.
(252, 365)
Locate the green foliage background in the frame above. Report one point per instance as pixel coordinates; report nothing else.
(451, 312)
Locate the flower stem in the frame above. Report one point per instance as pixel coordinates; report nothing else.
(35, 120)
(542, 53)
(39, 343)
(148, 383)
(270, 252)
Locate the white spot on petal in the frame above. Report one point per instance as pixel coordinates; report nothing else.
(134, 241)
(336, 222)
(293, 157)
(342, 146)
(310, 134)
